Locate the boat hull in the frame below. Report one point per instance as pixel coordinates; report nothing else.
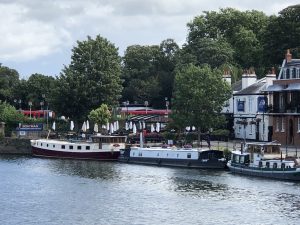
(95, 155)
(287, 174)
(185, 163)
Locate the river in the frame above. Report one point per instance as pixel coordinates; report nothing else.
(56, 191)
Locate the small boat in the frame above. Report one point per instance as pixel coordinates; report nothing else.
(98, 147)
(178, 157)
(264, 159)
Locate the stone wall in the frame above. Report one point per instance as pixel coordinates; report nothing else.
(15, 146)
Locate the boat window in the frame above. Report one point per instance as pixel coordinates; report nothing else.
(282, 165)
(53, 146)
(41, 144)
(275, 165)
(63, 147)
(157, 154)
(79, 147)
(268, 164)
(260, 164)
(87, 147)
(189, 155)
(177, 155)
(47, 145)
(167, 154)
(71, 147)
(242, 159)
(133, 153)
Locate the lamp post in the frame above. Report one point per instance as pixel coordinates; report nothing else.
(42, 105)
(146, 103)
(167, 105)
(30, 104)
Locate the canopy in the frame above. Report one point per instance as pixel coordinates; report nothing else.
(274, 88)
(293, 87)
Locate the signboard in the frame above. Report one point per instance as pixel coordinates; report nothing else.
(262, 104)
(240, 106)
(31, 127)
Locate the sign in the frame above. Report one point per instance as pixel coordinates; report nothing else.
(240, 106)
(262, 104)
(31, 127)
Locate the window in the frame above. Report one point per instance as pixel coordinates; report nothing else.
(277, 124)
(177, 155)
(267, 164)
(71, 147)
(41, 144)
(189, 155)
(79, 147)
(282, 124)
(260, 164)
(299, 124)
(47, 145)
(281, 100)
(250, 104)
(298, 73)
(63, 146)
(53, 146)
(87, 147)
(282, 165)
(274, 165)
(284, 74)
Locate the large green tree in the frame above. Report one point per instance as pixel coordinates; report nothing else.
(9, 78)
(199, 96)
(92, 78)
(282, 33)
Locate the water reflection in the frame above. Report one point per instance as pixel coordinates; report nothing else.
(84, 168)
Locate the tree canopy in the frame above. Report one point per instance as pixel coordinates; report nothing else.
(92, 78)
(199, 96)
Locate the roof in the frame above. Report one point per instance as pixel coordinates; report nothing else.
(252, 89)
(274, 88)
(293, 63)
(143, 117)
(237, 86)
(293, 87)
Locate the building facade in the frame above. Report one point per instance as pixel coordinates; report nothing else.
(284, 107)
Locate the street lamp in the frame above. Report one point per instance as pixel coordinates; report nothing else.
(42, 105)
(167, 105)
(146, 103)
(30, 104)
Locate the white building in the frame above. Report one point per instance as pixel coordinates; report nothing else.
(250, 105)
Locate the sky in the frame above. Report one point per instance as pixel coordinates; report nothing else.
(37, 36)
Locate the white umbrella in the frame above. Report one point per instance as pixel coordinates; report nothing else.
(115, 126)
(126, 126)
(140, 125)
(107, 126)
(188, 128)
(83, 128)
(152, 128)
(130, 125)
(193, 128)
(134, 129)
(87, 125)
(96, 127)
(144, 125)
(157, 127)
(53, 126)
(111, 128)
(72, 125)
(118, 127)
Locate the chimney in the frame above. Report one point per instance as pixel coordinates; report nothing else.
(288, 56)
(270, 77)
(248, 78)
(227, 76)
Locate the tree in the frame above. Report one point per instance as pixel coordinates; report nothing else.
(9, 78)
(282, 33)
(101, 115)
(92, 78)
(199, 96)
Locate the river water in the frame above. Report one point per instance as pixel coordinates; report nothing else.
(54, 191)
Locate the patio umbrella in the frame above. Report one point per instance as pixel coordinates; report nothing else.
(96, 128)
(83, 128)
(126, 126)
(53, 126)
(87, 125)
(111, 128)
(72, 125)
(157, 127)
(130, 125)
(152, 128)
(134, 129)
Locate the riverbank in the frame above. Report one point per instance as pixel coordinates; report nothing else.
(10, 145)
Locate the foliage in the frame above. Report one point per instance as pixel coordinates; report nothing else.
(101, 115)
(282, 33)
(148, 73)
(9, 78)
(199, 96)
(93, 77)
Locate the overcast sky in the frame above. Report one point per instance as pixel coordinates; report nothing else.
(37, 35)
